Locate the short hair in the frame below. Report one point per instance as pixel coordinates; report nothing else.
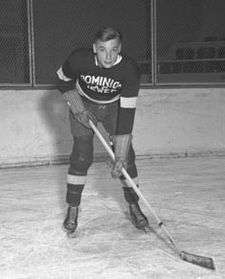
(108, 33)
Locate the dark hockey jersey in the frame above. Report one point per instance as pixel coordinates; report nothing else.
(104, 85)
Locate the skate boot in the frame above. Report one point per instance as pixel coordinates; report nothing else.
(138, 218)
(70, 222)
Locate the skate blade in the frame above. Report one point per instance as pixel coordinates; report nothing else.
(71, 234)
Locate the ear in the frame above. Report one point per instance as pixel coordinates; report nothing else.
(120, 47)
(94, 48)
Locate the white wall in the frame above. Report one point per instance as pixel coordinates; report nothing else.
(181, 121)
(35, 129)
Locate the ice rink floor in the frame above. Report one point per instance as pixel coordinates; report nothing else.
(188, 194)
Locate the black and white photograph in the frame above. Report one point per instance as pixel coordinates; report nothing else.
(112, 146)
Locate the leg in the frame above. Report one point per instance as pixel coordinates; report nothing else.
(137, 217)
(80, 160)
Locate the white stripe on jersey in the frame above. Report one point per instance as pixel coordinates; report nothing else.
(76, 179)
(61, 75)
(128, 102)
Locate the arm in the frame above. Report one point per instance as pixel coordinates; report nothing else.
(122, 138)
(72, 97)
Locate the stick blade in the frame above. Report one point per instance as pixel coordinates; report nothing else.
(198, 260)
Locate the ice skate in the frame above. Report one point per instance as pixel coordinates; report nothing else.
(70, 222)
(138, 218)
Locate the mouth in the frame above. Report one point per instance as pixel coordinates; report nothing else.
(108, 62)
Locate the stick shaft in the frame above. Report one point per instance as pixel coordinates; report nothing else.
(133, 185)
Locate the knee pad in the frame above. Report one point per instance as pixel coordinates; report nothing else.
(82, 155)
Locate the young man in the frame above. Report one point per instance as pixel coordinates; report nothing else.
(102, 85)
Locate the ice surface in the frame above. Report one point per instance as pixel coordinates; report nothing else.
(187, 194)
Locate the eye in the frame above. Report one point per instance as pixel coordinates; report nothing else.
(101, 49)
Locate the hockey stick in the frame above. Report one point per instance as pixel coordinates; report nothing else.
(191, 258)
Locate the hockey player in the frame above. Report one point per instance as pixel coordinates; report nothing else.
(100, 84)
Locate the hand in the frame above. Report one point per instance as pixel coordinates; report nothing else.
(121, 145)
(75, 103)
(117, 166)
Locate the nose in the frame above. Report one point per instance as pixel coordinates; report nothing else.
(108, 55)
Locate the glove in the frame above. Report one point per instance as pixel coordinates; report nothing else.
(74, 101)
(121, 148)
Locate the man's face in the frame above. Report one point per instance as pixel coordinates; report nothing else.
(107, 52)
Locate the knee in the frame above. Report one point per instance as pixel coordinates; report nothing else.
(82, 155)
